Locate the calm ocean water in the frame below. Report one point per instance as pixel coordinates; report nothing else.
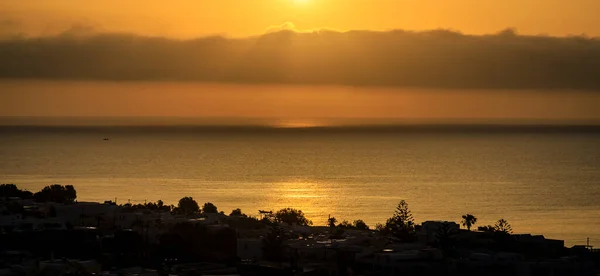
(542, 183)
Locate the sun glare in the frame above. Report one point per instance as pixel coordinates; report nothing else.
(297, 124)
(301, 1)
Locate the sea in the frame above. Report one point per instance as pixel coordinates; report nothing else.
(543, 181)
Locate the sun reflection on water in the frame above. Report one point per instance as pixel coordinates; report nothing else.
(305, 123)
(314, 199)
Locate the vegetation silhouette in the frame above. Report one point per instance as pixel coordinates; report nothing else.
(501, 226)
(149, 206)
(52, 193)
(209, 208)
(446, 238)
(468, 221)
(56, 193)
(345, 225)
(486, 228)
(237, 212)
(191, 241)
(188, 205)
(359, 224)
(401, 225)
(331, 221)
(291, 216)
(11, 190)
(337, 229)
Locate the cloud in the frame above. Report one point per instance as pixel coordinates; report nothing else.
(435, 58)
(287, 26)
(291, 27)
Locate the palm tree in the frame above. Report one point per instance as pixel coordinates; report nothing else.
(331, 221)
(468, 220)
(445, 237)
(503, 226)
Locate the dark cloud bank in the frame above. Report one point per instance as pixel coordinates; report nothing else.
(437, 59)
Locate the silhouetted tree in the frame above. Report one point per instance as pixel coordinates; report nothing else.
(11, 190)
(360, 225)
(237, 212)
(151, 206)
(345, 225)
(291, 216)
(401, 225)
(331, 221)
(272, 243)
(70, 193)
(445, 237)
(209, 208)
(188, 205)
(468, 220)
(486, 228)
(503, 226)
(56, 193)
(384, 231)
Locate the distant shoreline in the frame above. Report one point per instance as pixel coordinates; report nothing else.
(381, 128)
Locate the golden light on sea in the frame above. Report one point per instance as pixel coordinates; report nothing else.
(287, 123)
(315, 199)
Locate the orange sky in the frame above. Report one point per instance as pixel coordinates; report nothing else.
(238, 18)
(187, 18)
(290, 103)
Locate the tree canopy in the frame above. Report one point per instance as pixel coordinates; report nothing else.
(331, 221)
(359, 224)
(292, 216)
(56, 193)
(468, 220)
(188, 205)
(11, 190)
(501, 226)
(401, 225)
(237, 212)
(209, 208)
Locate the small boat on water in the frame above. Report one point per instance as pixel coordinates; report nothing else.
(105, 139)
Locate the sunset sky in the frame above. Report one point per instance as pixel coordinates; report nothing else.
(188, 18)
(535, 59)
